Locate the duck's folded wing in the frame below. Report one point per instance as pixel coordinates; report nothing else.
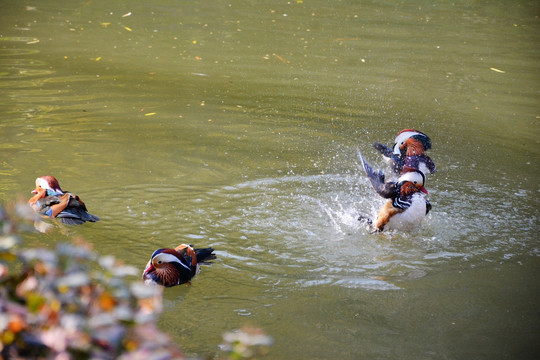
(75, 213)
(50, 200)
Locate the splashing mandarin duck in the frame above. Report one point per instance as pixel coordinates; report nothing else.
(407, 152)
(406, 207)
(170, 267)
(52, 201)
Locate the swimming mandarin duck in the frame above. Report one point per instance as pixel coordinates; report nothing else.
(406, 207)
(407, 152)
(170, 267)
(52, 201)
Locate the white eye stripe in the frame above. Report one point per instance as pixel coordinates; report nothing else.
(413, 176)
(43, 184)
(164, 257)
(400, 139)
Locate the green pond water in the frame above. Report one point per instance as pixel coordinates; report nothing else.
(236, 125)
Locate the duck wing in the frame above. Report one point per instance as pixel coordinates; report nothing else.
(383, 149)
(47, 201)
(376, 177)
(393, 160)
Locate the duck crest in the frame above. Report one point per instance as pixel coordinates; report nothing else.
(50, 183)
(173, 257)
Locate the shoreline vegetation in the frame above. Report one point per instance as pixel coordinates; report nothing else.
(71, 303)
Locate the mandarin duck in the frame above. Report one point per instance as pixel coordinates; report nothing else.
(52, 201)
(170, 267)
(406, 207)
(407, 152)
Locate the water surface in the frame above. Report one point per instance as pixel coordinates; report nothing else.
(237, 125)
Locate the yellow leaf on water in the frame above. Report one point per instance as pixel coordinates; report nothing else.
(128, 29)
(149, 114)
(98, 58)
(105, 24)
(497, 70)
(282, 59)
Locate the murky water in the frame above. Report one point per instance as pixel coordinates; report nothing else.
(237, 124)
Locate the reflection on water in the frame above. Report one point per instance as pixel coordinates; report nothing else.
(237, 126)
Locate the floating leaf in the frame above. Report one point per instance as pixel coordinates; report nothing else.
(497, 70)
(282, 59)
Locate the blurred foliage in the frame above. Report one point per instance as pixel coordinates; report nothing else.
(71, 303)
(246, 343)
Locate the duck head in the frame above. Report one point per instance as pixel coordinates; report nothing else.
(167, 267)
(45, 186)
(50, 184)
(412, 181)
(411, 142)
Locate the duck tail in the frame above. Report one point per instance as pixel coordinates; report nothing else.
(205, 255)
(91, 218)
